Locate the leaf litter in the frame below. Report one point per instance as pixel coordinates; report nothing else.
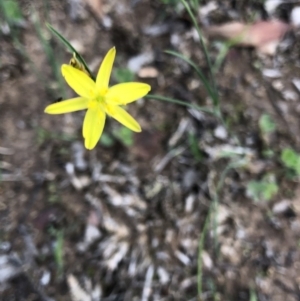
(133, 220)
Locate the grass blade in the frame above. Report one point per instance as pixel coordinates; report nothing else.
(187, 7)
(179, 102)
(200, 251)
(70, 47)
(207, 85)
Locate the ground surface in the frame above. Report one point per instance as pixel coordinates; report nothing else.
(124, 221)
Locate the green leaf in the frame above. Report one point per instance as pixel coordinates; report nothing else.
(125, 135)
(123, 75)
(253, 296)
(59, 251)
(12, 11)
(106, 140)
(70, 47)
(263, 190)
(291, 160)
(266, 124)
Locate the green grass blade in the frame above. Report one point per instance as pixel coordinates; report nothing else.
(70, 47)
(253, 296)
(179, 102)
(225, 48)
(200, 251)
(221, 56)
(195, 4)
(205, 82)
(187, 7)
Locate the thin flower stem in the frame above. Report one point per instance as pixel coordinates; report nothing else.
(180, 102)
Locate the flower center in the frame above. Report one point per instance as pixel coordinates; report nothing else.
(97, 98)
(100, 99)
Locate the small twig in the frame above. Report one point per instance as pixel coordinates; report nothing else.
(147, 285)
(168, 157)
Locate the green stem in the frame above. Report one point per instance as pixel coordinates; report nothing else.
(180, 102)
(200, 250)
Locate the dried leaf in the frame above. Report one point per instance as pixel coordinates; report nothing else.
(96, 6)
(263, 35)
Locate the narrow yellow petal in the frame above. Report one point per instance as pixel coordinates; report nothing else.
(93, 125)
(67, 106)
(124, 93)
(81, 83)
(104, 72)
(123, 117)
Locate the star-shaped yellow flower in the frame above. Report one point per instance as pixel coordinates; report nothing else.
(99, 99)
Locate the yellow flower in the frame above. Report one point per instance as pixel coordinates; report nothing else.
(99, 99)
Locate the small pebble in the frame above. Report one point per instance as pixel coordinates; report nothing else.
(207, 261)
(272, 73)
(295, 16)
(175, 39)
(163, 275)
(278, 85)
(107, 22)
(157, 30)
(45, 278)
(281, 207)
(208, 8)
(80, 182)
(220, 133)
(70, 168)
(230, 253)
(136, 63)
(290, 95)
(189, 203)
(148, 72)
(190, 178)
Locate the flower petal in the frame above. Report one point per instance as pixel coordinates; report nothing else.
(81, 83)
(67, 106)
(123, 117)
(124, 93)
(93, 125)
(104, 72)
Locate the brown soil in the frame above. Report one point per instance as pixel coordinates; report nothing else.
(144, 220)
